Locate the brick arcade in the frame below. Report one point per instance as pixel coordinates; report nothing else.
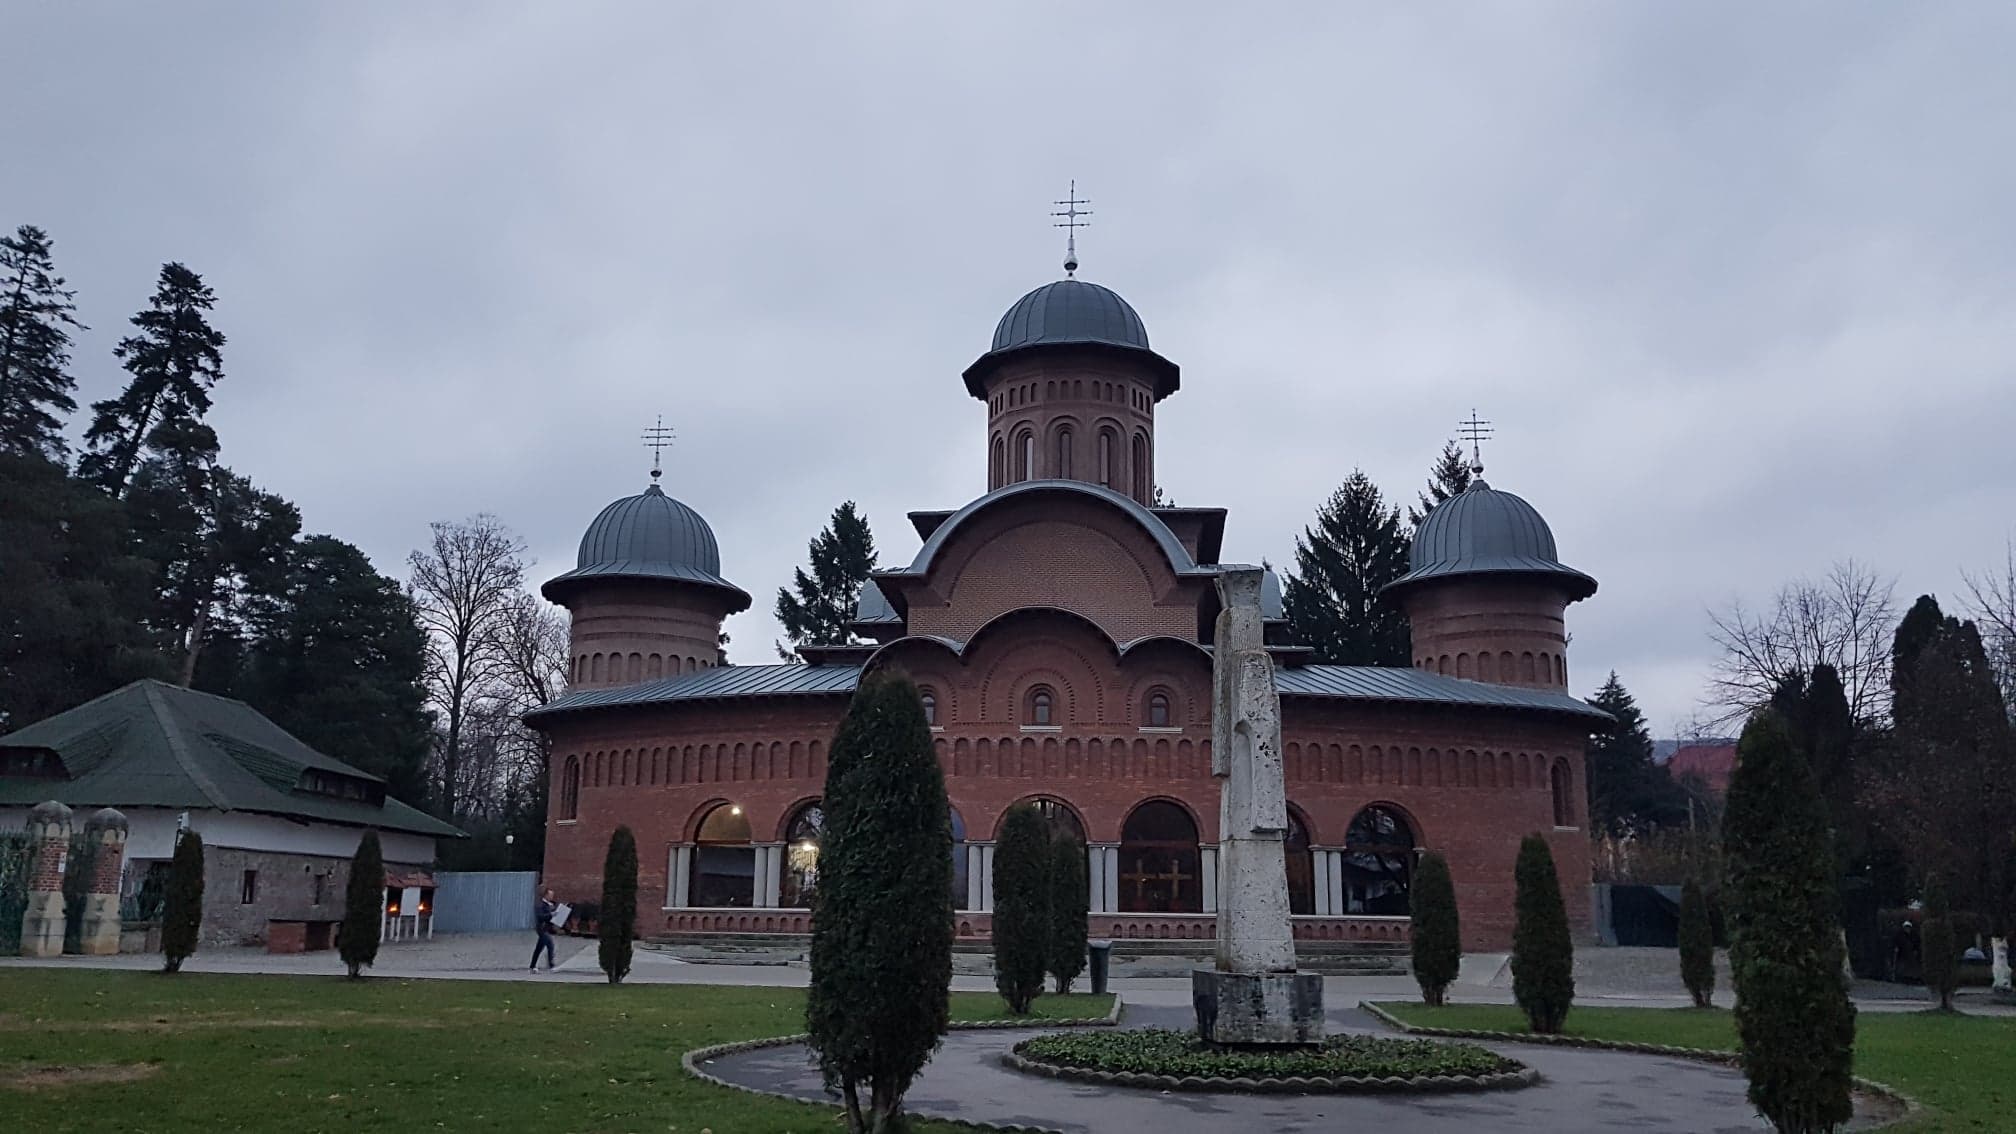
(1059, 627)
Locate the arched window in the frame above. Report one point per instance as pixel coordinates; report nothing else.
(1063, 470)
(1028, 457)
(570, 789)
(1106, 470)
(959, 871)
(595, 668)
(996, 461)
(1158, 709)
(1042, 705)
(801, 857)
(930, 700)
(1140, 467)
(1058, 818)
(1301, 866)
(1160, 869)
(1378, 862)
(1563, 783)
(724, 864)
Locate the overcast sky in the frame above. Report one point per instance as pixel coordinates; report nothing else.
(1737, 283)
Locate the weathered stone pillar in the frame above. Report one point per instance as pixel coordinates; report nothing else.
(1253, 995)
(42, 921)
(106, 833)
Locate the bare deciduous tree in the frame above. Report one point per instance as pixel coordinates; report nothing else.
(1844, 620)
(464, 587)
(1991, 599)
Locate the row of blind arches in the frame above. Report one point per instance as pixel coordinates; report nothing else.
(1040, 707)
(1075, 389)
(633, 667)
(1501, 666)
(1160, 859)
(1019, 458)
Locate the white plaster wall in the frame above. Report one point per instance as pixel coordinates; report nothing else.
(151, 834)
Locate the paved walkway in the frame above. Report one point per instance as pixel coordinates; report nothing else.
(1583, 1092)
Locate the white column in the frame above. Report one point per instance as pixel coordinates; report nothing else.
(1113, 879)
(1101, 862)
(1208, 867)
(976, 877)
(1337, 907)
(766, 885)
(986, 876)
(679, 878)
(1320, 862)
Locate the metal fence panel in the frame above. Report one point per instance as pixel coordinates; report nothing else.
(483, 901)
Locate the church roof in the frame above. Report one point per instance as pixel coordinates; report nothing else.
(151, 744)
(1482, 531)
(1347, 682)
(1071, 312)
(1179, 558)
(649, 536)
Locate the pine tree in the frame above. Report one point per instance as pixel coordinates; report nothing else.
(1543, 952)
(1437, 936)
(1793, 1016)
(1451, 474)
(819, 612)
(1332, 599)
(182, 912)
(1937, 947)
(1629, 792)
(1021, 908)
(1914, 632)
(363, 906)
(36, 318)
(882, 927)
(1070, 902)
(618, 925)
(175, 358)
(1697, 945)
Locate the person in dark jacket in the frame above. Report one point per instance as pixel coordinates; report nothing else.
(543, 922)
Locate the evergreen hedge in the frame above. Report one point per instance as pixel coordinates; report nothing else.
(1697, 945)
(618, 925)
(1437, 936)
(1937, 947)
(1021, 907)
(882, 925)
(1543, 953)
(1794, 1021)
(1070, 901)
(182, 913)
(363, 905)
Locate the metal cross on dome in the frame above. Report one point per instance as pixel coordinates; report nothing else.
(658, 439)
(1071, 224)
(1476, 431)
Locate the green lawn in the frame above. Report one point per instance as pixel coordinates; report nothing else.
(260, 1053)
(1963, 1068)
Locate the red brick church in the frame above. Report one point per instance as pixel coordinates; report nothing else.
(1059, 627)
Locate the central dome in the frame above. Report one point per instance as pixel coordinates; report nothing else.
(1070, 311)
(649, 536)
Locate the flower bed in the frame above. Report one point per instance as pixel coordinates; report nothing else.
(1172, 1060)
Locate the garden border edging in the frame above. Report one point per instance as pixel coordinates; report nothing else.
(1014, 1060)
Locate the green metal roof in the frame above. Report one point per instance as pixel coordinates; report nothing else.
(151, 744)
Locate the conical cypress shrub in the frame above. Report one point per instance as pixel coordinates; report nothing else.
(1021, 908)
(1793, 1017)
(1937, 945)
(182, 914)
(618, 925)
(1697, 945)
(1070, 901)
(882, 913)
(363, 906)
(1437, 937)
(1543, 953)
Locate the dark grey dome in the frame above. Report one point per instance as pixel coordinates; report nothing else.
(649, 536)
(1484, 531)
(1070, 311)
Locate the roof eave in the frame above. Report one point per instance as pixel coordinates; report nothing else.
(1168, 376)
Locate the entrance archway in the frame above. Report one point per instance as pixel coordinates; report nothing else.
(1161, 870)
(724, 864)
(1378, 862)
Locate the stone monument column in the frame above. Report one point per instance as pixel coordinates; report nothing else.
(42, 921)
(1253, 995)
(106, 832)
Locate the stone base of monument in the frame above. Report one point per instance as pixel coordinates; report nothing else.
(1258, 1008)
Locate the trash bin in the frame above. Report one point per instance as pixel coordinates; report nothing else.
(1102, 955)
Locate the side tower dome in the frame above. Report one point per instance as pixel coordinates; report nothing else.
(646, 594)
(1485, 592)
(1071, 386)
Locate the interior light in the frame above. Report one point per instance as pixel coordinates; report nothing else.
(736, 810)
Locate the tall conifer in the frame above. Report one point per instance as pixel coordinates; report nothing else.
(182, 911)
(816, 608)
(1332, 599)
(1697, 945)
(1021, 908)
(1437, 936)
(1450, 475)
(1070, 899)
(363, 906)
(174, 357)
(1543, 952)
(617, 925)
(1629, 792)
(36, 318)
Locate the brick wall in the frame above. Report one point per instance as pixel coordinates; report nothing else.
(1065, 400)
(285, 889)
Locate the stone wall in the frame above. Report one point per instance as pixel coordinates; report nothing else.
(285, 889)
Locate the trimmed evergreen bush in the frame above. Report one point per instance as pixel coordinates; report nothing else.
(882, 913)
(1794, 1021)
(1936, 945)
(363, 906)
(182, 914)
(1697, 945)
(1021, 907)
(1543, 953)
(1437, 937)
(618, 926)
(1070, 901)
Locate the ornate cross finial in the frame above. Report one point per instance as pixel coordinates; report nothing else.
(1476, 431)
(657, 439)
(1071, 224)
